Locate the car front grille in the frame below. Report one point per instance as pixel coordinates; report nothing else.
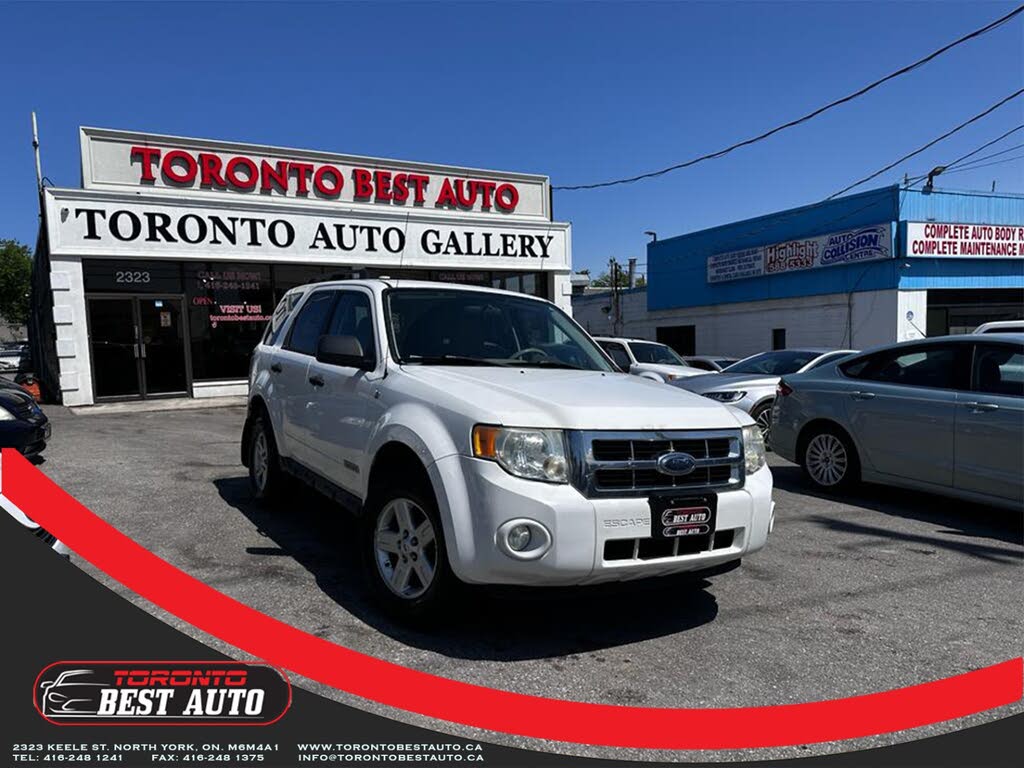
(626, 463)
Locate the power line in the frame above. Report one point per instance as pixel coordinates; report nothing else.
(973, 167)
(856, 94)
(931, 143)
(959, 160)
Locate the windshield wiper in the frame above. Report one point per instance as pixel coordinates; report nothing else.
(450, 360)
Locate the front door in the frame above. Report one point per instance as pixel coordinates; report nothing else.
(138, 346)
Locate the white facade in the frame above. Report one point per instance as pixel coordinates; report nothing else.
(741, 329)
(153, 199)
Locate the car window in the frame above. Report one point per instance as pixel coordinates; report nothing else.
(646, 352)
(829, 358)
(704, 365)
(353, 316)
(779, 363)
(1005, 329)
(617, 353)
(916, 366)
(277, 324)
(309, 324)
(998, 370)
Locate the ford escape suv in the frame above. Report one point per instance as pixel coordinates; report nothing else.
(482, 436)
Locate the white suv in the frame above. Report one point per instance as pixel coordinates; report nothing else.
(481, 436)
(648, 359)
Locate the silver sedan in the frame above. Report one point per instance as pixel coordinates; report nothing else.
(750, 384)
(945, 415)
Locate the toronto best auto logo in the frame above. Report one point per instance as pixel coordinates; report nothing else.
(161, 693)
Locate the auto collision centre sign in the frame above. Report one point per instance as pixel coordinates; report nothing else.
(965, 241)
(846, 247)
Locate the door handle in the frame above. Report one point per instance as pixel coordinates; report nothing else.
(862, 395)
(982, 407)
(276, 368)
(316, 380)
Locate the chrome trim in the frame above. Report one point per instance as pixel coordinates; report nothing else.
(583, 465)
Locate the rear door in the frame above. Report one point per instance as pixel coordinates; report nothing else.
(901, 407)
(289, 370)
(990, 423)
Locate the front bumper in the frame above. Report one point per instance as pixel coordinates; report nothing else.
(478, 497)
(27, 437)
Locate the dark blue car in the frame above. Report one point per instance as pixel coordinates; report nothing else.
(23, 425)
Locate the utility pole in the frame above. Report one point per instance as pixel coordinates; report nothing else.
(631, 283)
(613, 275)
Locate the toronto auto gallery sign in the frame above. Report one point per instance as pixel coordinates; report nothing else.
(964, 241)
(846, 247)
(161, 196)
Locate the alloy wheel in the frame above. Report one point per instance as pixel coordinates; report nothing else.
(405, 548)
(764, 421)
(260, 460)
(827, 460)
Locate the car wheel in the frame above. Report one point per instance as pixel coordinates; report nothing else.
(265, 475)
(762, 416)
(829, 460)
(405, 557)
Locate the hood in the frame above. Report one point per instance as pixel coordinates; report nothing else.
(668, 370)
(718, 381)
(567, 399)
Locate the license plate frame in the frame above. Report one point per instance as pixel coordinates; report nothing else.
(683, 515)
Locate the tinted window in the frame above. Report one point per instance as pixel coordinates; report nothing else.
(999, 370)
(646, 352)
(310, 322)
(353, 317)
(617, 353)
(918, 366)
(704, 365)
(1005, 329)
(774, 363)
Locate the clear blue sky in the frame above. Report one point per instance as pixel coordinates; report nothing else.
(579, 91)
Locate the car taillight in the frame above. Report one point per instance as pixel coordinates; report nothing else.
(783, 389)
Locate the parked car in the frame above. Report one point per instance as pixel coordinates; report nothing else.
(1001, 326)
(15, 356)
(944, 415)
(710, 363)
(649, 359)
(23, 425)
(750, 383)
(482, 436)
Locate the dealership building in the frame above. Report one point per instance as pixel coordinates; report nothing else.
(883, 266)
(157, 276)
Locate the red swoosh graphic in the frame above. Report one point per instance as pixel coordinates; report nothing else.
(371, 678)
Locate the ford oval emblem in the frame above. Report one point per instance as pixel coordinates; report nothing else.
(676, 464)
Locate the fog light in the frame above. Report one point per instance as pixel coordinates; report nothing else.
(519, 538)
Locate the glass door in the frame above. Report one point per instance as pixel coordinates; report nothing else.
(162, 346)
(138, 346)
(115, 352)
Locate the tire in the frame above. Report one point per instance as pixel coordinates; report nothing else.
(829, 460)
(762, 416)
(266, 478)
(404, 553)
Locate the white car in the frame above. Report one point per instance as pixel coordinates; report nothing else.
(648, 359)
(482, 436)
(1001, 326)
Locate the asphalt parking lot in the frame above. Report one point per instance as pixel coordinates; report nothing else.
(878, 590)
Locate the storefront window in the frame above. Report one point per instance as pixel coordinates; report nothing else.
(229, 306)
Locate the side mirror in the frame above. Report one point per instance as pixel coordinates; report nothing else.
(345, 351)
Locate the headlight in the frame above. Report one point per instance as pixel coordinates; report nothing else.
(726, 397)
(6, 415)
(753, 448)
(534, 454)
(675, 376)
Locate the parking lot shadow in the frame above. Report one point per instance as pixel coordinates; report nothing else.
(965, 519)
(485, 624)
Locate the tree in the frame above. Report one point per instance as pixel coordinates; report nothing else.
(604, 280)
(15, 274)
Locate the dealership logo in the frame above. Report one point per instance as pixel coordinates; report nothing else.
(676, 464)
(161, 693)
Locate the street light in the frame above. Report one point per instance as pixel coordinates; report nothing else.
(651, 234)
(928, 185)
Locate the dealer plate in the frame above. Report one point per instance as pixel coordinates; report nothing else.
(676, 516)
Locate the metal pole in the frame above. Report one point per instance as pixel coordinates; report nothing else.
(35, 149)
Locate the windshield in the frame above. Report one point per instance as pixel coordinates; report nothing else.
(441, 326)
(774, 363)
(646, 352)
